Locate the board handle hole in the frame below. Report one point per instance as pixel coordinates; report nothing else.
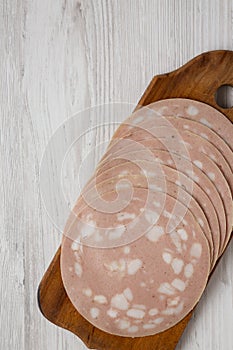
(224, 96)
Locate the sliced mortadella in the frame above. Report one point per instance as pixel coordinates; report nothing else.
(126, 130)
(200, 112)
(195, 143)
(115, 231)
(142, 288)
(219, 183)
(180, 108)
(205, 134)
(181, 180)
(197, 175)
(139, 181)
(165, 136)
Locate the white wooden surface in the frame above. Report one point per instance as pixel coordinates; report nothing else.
(56, 58)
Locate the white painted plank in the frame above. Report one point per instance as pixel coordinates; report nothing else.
(57, 58)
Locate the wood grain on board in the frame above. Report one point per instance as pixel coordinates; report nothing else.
(199, 79)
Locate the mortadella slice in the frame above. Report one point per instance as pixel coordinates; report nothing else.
(182, 108)
(198, 177)
(142, 288)
(126, 130)
(140, 181)
(181, 180)
(165, 136)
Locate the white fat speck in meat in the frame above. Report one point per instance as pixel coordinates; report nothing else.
(75, 246)
(155, 233)
(123, 324)
(94, 312)
(158, 320)
(207, 191)
(198, 164)
(179, 284)
(204, 136)
(177, 265)
(128, 294)
(97, 236)
(200, 221)
(173, 302)
(101, 299)
(151, 216)
(192, 110)
(125, 216)
(88, 229)
(166, 214)
(134, 266)
(122, 186)
(116, 233)
(124, 172)
(192, 175)
(153, 312)
(149, 326)
(154, 187)
(183, 234)
(126, 250)
(174, 310)
(211, 176)
(133, 329)
(188, 270)
(166, 288)
(116, 266)
(78, 269)
(112, 313)
(167, 257)
(135, 313)
(196, 250)
(157, 204)
(177, 241)
(87, 292)
(212, 156)
(119, 302)
(205, 122)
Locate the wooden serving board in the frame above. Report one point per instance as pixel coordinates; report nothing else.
(198, 79)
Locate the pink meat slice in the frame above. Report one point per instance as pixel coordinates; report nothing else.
(224, 194)
(217, 189)
(121, 268)
(182, 182)
(212, 153)
(201, 141)
(196, 147)
(203, 114)
(197, 176)
(191, 141)
(142, 288)
(106, 184)
(126, 130)
(187, 109)
(168, 139)
(115, 231)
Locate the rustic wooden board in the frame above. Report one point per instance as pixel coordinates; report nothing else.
(198, 79)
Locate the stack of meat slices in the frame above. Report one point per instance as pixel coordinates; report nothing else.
(153, 220)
